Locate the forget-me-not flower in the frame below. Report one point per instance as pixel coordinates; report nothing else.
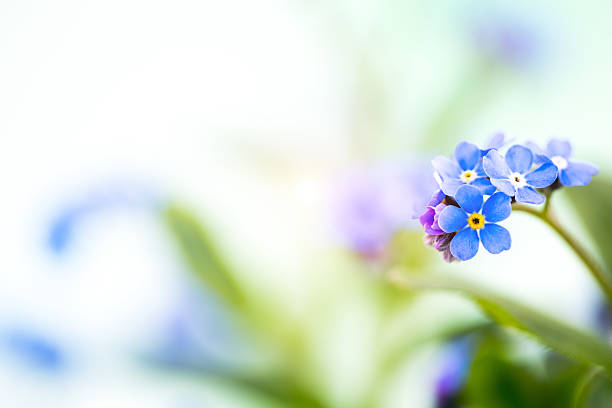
(475, 222)
(571, 173)
(466, 168)
(513, 175)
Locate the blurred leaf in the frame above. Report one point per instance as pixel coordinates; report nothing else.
(200, 253)
(406, 249)
(274, 388)
(569, 341)
(593, 204)
(497, 380)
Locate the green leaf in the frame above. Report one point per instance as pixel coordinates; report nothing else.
(593, 204)
(200, 253)
(560, 337)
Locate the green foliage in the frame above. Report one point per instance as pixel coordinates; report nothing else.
(497, 380)
(566, 340)
(593, 204)
(200, 253)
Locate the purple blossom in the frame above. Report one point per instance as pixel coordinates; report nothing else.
(456, 362)
(429, 220)
(508, 38)
(371, 204)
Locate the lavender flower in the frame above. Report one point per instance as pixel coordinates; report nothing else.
(373, 204)
(508, 38)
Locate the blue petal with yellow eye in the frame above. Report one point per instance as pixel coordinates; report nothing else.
(467, 158)
(464, 244)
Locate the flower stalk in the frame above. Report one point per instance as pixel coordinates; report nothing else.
(602, 277)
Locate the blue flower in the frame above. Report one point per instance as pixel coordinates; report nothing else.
(457, 359)
(509, 37)
(35, 350)
(465, 169)
(513, 175)
(475, 222)
(494, 142)
(571, 173)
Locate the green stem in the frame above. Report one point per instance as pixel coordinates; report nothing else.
(601, 276)
(585, 385)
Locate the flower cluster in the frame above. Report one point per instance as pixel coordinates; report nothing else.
(479, 186)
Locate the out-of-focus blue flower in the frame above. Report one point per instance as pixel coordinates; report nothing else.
(508, 38)
(466, 168)
(571, 173)
(513, 175)
(35, 350)
(494, 142)
(373, 203)
(108, 197)
(473, 225)
(457, 358)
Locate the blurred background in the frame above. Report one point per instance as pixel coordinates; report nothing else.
(200, 199)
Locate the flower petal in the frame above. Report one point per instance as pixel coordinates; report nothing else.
(452, 219)
(467, 155)
(497, 208)
(529, 195)
(495, 166)
(436, 198)
(495, 141)
(465, 244)
(539, 155)
(577, 174)
(450, 186)
(558, 147)
(495, 238)
(469, 198)
(446, 167)
(504, 186)
(479, 169)
(534, 147)
(484, 185)
(519, 159)
(543, 176)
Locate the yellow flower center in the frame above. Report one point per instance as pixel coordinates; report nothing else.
(468, 176)
(476, 221)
